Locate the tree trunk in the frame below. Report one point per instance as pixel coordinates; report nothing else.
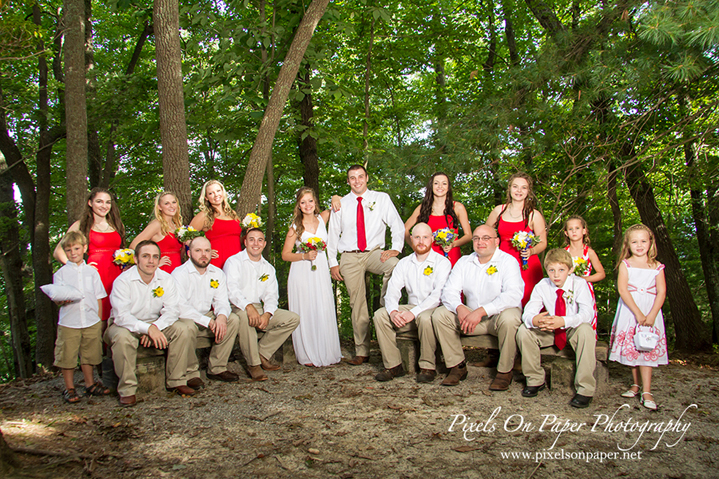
(688, 326)
(252, 183)
(11, 262)
(616, 210)
(507, 10)
(75, 108)
(94, 153)
(306, 142)
(173, 129)
(271, 212)
(367, 77)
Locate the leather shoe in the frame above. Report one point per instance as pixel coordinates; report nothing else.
(128, 401)
(580, 401)
(267, 365)
(501, 381)
(196, 383)
(226, 376)
(357, 360)
(426, 375)
(183, 390)
(389, 374)
(456, 374)
(256, 373)
(532, 391)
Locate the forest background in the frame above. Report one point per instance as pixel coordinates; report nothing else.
(611, 107)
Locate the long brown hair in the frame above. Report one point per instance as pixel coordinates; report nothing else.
(209, 210)
(530, 202)
(113, 216)
(627, 253)
(297, 212)
(585, 238)
(425, 208)
(177, 218)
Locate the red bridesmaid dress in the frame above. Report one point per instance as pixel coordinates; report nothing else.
(101, 251)
(224, 237)
(441, 222)
(533, 274)
(170, 247)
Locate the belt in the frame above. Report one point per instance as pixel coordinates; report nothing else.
(357, 251)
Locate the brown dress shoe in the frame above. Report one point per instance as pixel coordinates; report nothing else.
(183, 390)
(267, 365)
(501, 381)
(256, 373)
(196, 383)
(226, 376)
(389, 374)
(357, 360)
(426, 375)
(456, 374)
(128, 401)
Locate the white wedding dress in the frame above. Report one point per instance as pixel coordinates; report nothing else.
(309, 293)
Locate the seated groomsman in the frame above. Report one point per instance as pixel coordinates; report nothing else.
(423, 275)
(203, 292)
(254, 295)
(493, 288)
(145, 311)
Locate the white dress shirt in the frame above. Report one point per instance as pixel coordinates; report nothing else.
(577, 300)
(379, 213)
(137, 305)
(201, 292)
(423, 286)
(494, 292)
(83, 313)
(251, 282)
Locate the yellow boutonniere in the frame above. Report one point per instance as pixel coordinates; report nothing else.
(428, 270)
(214, 284)
(158, 292)
(264, 277)
(491, 270)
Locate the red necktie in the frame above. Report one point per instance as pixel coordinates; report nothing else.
(361, 235)
(560, 309)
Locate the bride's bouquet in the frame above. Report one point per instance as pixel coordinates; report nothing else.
(522, 241)
(444, 237)
(312, 244)
(187, 233)
(251, 220)
(124, 257)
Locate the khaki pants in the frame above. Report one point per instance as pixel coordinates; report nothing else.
(220, 352)
(181, 337)
(281, 325)
(353, 267)
(583, 341)
(503, 325)
(387, 337)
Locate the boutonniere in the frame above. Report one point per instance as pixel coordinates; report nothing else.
(214, 284)
(158, 292)
(371, 205)
(491, 270)
(428, 270)
(264, 277)
(569, 296)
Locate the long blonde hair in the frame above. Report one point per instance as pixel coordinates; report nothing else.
(207, 208)
(297, 213)
(627, 253)
(177, 218)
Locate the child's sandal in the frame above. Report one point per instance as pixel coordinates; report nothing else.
(649, 403)
(97, 389)
(70, 396)
(630, 393)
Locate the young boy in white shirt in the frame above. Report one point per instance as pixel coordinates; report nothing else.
(567, 320)
(79, 327)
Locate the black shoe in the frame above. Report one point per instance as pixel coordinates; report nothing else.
(532, 391)
(389, 374)
(580, 401)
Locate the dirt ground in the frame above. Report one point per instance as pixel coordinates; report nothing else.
(340, 422)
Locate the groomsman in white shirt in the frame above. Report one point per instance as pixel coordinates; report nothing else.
(145, 311)
(203, 293)
(357, 231)
(493, 288)
(423, 275)
(254, 295)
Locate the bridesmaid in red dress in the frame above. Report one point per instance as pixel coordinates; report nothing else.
(439, 211)
(162, 229)
(102, 225)
(219, 222)
(520, 213)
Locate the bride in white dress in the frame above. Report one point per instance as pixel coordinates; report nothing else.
(309, 292)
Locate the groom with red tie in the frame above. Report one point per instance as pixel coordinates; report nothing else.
(357, 231)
